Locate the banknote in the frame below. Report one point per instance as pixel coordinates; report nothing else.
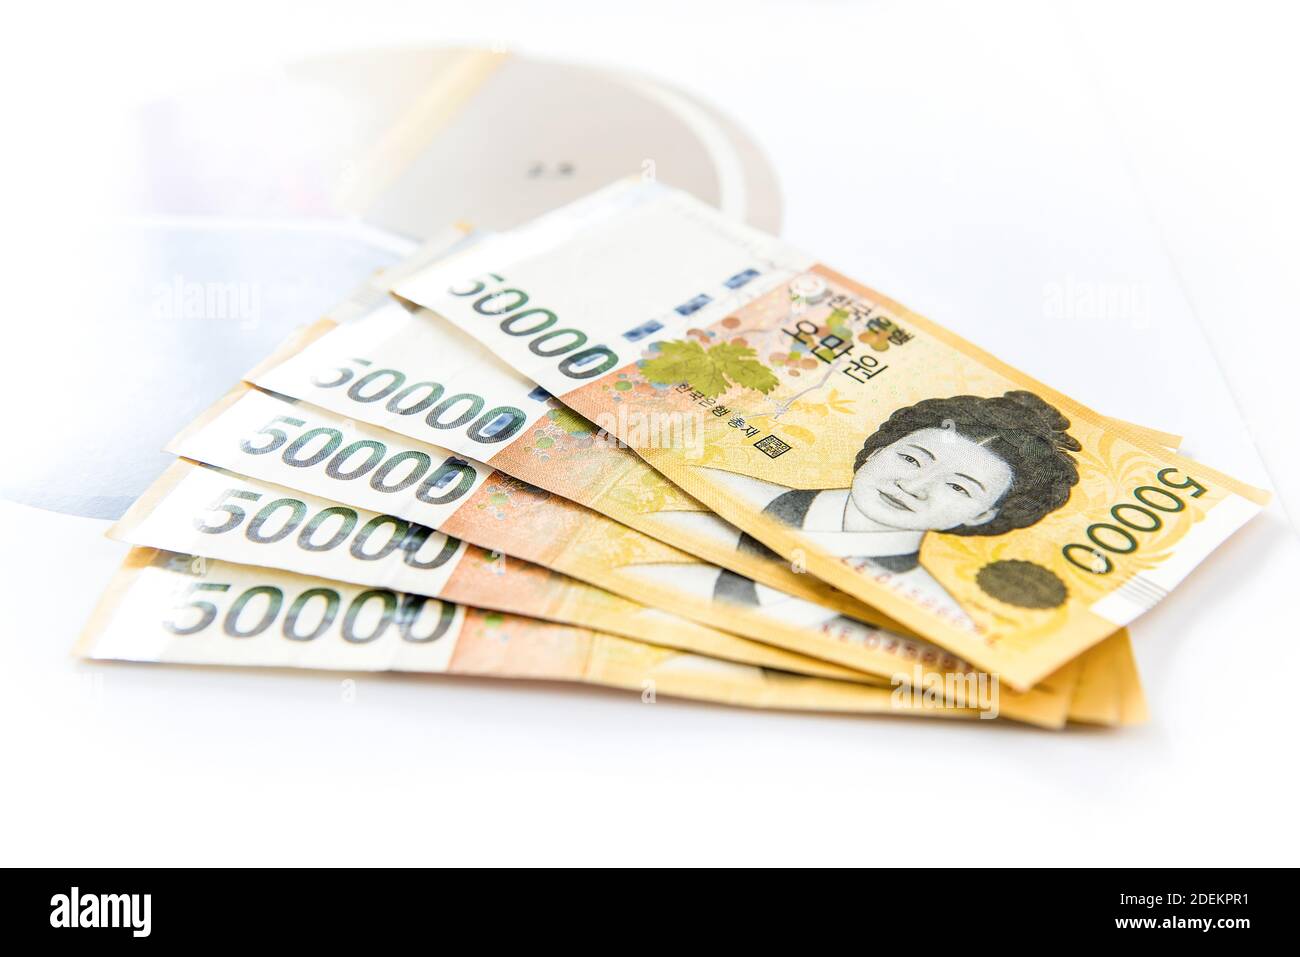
(976, 506)
(299, 446)
(418, 376)
(217, 514)
(172, 608)
(214, 513)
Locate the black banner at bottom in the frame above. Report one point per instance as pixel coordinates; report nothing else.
(342, 907)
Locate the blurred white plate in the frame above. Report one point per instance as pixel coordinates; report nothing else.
(256, 207)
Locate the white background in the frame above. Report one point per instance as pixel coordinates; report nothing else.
(968, 159)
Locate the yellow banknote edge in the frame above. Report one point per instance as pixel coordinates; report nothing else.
(1109, 691)
(1133, 702)
(1097, 695)
(1170, 440)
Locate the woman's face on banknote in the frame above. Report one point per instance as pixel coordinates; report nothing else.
(930, 480)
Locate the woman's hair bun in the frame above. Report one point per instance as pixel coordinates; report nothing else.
(1052, 418)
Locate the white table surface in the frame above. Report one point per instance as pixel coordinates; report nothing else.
(970, 160)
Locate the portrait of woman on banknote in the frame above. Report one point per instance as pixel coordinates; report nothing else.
(964, 465)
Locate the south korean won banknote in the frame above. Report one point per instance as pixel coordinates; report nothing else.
(216, 514)
(296, 445)
(976, 506)
(181, 609)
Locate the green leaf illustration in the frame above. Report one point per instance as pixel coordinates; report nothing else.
(710, 372)
(678, 361)
(570, 421)
(740, 366)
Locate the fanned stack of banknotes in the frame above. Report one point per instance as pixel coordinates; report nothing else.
(635, 444)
